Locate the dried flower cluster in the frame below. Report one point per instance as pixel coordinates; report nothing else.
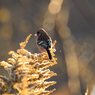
(27, 72)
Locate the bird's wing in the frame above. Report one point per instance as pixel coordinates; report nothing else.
(43, 43)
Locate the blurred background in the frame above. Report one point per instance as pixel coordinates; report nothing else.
(70, 22)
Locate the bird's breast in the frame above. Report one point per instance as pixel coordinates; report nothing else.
(42, 49)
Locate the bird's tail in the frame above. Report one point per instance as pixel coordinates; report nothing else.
(49, 54)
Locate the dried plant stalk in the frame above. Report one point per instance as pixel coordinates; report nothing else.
(27, 72)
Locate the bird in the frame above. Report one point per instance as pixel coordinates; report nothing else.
(44, 42)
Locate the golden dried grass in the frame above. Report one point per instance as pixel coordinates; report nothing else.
(27, 72)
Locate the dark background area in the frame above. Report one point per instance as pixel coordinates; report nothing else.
(70, 22)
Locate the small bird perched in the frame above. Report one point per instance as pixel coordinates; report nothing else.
(44, 41)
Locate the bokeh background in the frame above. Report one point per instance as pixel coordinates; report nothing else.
(70, 22)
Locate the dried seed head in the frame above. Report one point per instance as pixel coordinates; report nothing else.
(28, 72)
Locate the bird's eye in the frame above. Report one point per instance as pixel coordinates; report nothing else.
(39, 33)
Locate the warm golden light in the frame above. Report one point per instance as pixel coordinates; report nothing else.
(50, 17)
(55, 6)
(64, 32)
(4, 15)
(72, 64)
(49, 22)
(54, 9)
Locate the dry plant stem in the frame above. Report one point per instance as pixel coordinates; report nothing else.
(27, 72)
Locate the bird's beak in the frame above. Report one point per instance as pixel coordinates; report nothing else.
(35, 34)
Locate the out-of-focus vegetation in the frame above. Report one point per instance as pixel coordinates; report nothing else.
(70, 22)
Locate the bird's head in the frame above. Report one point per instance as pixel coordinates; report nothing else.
(41, 32)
